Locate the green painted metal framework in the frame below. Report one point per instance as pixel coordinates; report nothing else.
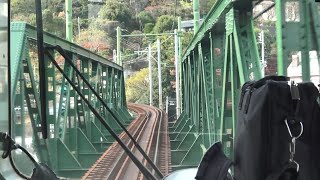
(76, 138)
(222, 56)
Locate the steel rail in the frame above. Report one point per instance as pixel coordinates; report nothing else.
(109, 161)
(158, 139)
(138, 134)
(145, 171)
(68, 59)
(152, 139)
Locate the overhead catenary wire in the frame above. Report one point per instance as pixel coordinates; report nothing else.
(101, 119)
(264, 11)
(145, 49)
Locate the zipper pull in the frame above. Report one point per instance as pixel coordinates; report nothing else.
(294, 91)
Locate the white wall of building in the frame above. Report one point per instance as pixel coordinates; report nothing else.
(294, 70)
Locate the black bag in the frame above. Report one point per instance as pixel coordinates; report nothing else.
(214, 164)
(262, 137)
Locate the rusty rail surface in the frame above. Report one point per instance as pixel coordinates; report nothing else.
(150, 130)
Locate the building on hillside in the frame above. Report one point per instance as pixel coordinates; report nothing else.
(294, 70)
(188, 25)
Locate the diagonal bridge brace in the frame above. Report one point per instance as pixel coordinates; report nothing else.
(145, 171)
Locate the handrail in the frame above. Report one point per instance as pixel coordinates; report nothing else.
(211, 19)
(52, 40)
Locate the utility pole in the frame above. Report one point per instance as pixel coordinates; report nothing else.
(78, 26)
(180, 55)
(69, 32)
(114, 56)
(159, 75)
(261, 40)
(177, 65)
(262, 53)
(167, 104)
(118, 46)
(150, 75)
(196, 15)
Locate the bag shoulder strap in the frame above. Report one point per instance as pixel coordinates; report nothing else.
(288, 172)
(214, 164)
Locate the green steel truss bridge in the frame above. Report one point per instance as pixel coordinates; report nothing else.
(221, 57)
(76, 139)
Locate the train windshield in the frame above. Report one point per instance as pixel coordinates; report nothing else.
(106, 89)
(5, 168)
(4, 66)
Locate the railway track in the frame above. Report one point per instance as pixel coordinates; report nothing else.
(149, 129)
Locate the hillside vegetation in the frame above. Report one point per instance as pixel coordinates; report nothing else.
(98, 22)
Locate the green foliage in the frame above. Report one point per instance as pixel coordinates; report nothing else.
(22, 8)
(186, 4)
(148, 27)
(269, 36)
(165, 23)
(115, 11)
(137, 87)
(100, 36)
(25, 11)
(185, 10)
(145, 17)
(80, 9)
(205, 6)
(53, 23)
(186, 38)
(167, 58)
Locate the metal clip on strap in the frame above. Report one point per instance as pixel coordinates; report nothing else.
(292, 146)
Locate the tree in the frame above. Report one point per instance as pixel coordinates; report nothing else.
(184, 10)
(80, 9)
(137, 87)
(165, 23)
(53, 23)
(22, 8)
(94, 40)
(25, 11)
(186, 38)
(205, 6)
(145, 17)
(148, 27)
(115, 11)
(268, 28)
